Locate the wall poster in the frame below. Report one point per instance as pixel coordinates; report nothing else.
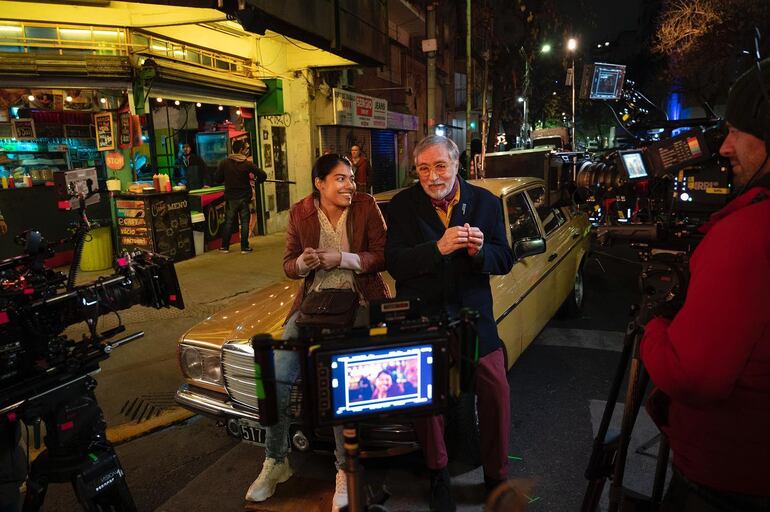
(23, 129)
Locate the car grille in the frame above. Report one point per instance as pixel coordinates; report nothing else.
(238, 373)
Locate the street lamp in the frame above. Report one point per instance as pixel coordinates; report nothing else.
(571, 47)
(546, 48)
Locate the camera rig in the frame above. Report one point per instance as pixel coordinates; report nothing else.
(422, 361)
(45, 376)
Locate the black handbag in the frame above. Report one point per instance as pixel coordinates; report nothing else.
(332, 308)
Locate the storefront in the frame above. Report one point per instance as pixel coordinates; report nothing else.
(356, 119)
(45, 129)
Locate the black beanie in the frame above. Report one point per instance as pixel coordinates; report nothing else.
(747, 109)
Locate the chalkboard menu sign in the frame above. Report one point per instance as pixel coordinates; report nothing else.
(158, 222)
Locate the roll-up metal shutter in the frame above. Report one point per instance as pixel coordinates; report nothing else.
(385, 164)
(339, 139)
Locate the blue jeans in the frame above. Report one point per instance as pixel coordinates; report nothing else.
(239, 207)
(287, 370)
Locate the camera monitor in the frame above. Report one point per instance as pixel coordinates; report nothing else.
(381, 380)
(603, 81)
(633, 163)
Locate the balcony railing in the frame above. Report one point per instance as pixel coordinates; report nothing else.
(59, 39)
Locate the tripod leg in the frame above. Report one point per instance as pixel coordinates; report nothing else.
(356, 499)
(605, 448)
(37, 484)
(661, 468)
(637, 384)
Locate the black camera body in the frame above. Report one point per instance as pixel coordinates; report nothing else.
(35, 310)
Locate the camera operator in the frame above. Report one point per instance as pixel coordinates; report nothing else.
(445, 238)
(711, 361)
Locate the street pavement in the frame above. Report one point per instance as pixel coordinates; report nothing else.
(558, 392)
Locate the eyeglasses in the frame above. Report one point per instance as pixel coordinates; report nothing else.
(440, 168)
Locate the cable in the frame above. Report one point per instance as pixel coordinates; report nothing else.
(621, 122)
(300, 47)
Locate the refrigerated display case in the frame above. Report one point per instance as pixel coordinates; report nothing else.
(212, 147)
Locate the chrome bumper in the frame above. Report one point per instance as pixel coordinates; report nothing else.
(210, 404)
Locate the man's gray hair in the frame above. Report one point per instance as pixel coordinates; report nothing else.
(438, 140)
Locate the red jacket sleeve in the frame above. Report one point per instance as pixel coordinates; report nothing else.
(293, 247)
(701, 354)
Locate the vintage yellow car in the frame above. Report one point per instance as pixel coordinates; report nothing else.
(550, 243)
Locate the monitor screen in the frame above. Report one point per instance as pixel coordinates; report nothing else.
(634, 164)
(607, 81)
(381, 380)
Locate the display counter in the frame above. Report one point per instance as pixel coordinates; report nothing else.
(37, 208)
(158, 222)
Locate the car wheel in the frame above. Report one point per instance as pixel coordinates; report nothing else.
(573, 304)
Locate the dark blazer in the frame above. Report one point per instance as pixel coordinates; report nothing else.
(454, 281)
(366, 236)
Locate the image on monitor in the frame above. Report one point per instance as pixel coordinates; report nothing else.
(381, 380)
(634, 165)
(607, 82)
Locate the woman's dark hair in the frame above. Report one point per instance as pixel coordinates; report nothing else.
(324, 165)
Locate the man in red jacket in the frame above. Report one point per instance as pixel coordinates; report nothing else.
(713, 358)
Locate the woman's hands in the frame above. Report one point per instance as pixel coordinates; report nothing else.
(321, 258)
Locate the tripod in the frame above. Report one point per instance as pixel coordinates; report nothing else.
(610, 449)
(76, 451)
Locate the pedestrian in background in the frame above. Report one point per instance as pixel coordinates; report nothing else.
(361, 167)
(237, 172)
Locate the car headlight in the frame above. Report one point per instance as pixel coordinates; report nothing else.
(201, 364)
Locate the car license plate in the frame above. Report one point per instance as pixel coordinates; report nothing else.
(249, 432)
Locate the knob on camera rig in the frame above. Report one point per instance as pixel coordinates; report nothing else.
(45, 377)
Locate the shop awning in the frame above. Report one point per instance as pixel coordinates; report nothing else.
(23, 70)
(180, 82)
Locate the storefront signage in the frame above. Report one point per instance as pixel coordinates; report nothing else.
(353, 109)
(124, 130)
(398, 121)
(105, 132)
(115, 160)
(23, 129)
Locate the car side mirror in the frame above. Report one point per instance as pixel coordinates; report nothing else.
(528, 247)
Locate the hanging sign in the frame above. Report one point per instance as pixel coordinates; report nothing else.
(124, 130)
(115, 160)
(105, 132)
(353, 109)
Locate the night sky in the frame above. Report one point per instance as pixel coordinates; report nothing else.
(610, 16)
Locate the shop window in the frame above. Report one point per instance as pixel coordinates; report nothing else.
(38, 36)
(206, 60)
(139, 40)
(222, 64)
(193, 56)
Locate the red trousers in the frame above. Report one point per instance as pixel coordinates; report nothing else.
(494, 410)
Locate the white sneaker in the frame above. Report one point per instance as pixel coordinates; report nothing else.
(272, 474)
(340, 491)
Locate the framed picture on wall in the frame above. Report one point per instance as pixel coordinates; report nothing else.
(23, 129)
(105, 131)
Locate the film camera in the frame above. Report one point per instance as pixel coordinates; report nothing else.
(402, 366)
(45, 375)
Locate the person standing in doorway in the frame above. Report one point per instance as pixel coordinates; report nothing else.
(237, 173)
(360, 167)
(192, 170)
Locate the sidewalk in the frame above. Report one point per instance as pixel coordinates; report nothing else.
(136, 385)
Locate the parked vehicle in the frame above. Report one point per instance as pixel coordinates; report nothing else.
(550, 244)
